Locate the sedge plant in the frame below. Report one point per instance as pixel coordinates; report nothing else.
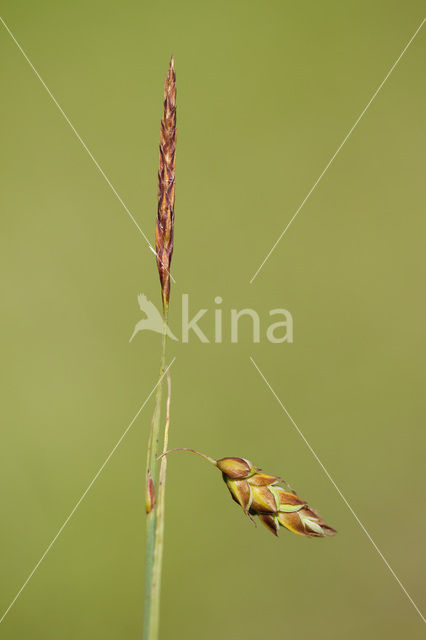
(259, 494)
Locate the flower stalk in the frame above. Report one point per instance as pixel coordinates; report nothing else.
(156, 479)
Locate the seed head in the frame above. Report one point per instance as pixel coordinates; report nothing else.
(260, 494)
(166, 186)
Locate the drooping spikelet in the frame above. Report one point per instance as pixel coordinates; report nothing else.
(166, 186)
(260, 494)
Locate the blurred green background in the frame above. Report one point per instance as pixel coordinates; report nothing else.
(266, 93)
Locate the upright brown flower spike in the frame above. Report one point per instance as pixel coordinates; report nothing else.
(166, 186)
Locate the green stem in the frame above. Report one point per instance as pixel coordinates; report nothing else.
(159, 530)
(150, 630)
